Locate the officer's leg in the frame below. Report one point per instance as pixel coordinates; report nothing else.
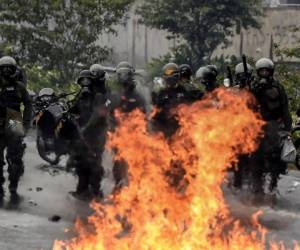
(14, 157)
(83, 179)
(257, 164)
(96, 175)
(277, 168)
(2, 164)
(239, 171)
(120, 173)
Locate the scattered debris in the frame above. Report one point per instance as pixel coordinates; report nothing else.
(294, 186)
(55, 218)
(33, 203)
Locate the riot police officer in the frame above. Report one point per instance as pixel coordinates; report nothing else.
(170, 95)
(91, 108)
(13, 125)
(185, 73)
(167, 97)
(207, 76)
(243, 79)
(99, 80)
(126, 99)
(274, 108)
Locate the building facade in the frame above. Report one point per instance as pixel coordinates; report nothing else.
(138, 44)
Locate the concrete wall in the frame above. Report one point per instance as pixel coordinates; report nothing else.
(138, 44)
(276, 28)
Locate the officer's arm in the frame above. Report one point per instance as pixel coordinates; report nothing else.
(74, 106)
(100, 113)
(157, 99)
(26, 99)
(287, 119)
(143, 104)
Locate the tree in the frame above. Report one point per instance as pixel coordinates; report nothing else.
(287, 73)
(59, 35)
(201, 25)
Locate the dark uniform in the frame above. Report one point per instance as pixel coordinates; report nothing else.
(12, 124)
(91, 108)
(166, 98)
(126, 100)
(242, 80)
(274, 108)
(21, 76)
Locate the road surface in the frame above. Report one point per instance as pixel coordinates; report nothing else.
(45, 190)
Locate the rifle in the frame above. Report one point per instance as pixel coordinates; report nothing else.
(229, 75)
(246, 72)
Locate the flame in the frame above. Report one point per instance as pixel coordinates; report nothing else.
(151, 213)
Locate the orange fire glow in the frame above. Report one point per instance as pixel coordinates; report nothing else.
(150, 214)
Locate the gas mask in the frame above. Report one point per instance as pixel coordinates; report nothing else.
(125, 76)
(86, 87)
(7, 72)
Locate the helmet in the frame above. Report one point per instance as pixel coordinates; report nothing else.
(264, 63)
(207, 75)
(124, 64)
(125, 72)
(239, 69)
(171, 74)
(46, 91)
(8, 61)
(170, 69)
(214, 69)
(85, 78)
(242, 79)
(99, 78)
(185, 71)
(97, 71)
(8, 66)
(46, 94)
(264, 68)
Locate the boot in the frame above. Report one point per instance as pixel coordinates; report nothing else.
(2, 194)
(14, 197)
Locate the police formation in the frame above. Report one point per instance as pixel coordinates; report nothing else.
(79, 127)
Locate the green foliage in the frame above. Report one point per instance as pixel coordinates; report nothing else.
(200, 25)
(59, 36)
(290, 78)
(288, 75)
(40, 78)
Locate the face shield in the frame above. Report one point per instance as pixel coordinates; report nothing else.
(171, 77)
(264, 73)
(125, 76)
(86, 84)
(240, 78)
(7, 71)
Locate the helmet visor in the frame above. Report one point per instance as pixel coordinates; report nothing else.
(265, 73)
(85, 81)
(7, 70)
(124, 75)
(170, 72)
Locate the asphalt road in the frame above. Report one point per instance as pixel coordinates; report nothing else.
(45, 190)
